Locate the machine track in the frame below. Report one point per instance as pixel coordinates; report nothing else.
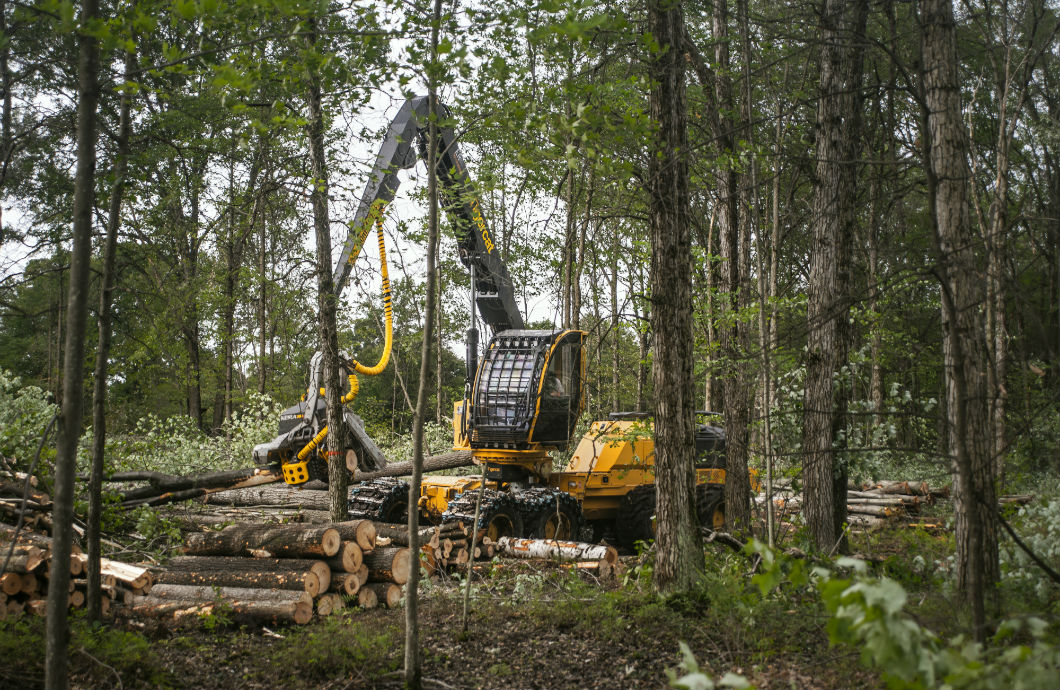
(383, 500)
(500, 515)
(634, 522)
(549, 513)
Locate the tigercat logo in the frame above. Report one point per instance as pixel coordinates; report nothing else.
(476, 215)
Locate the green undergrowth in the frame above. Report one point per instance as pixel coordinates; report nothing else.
(337, 647)
(99, 656)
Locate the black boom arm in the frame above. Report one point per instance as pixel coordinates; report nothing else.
(493, 291)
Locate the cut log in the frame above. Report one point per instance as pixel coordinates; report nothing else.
(10, 583)
(132, 576)
(306, 580)
(893, 487)
(551, 548)
(367, 599)
(230, 564)
(345, 583)
(328, 604)
(363, 574)
(153, 607)
(349, 558)
(10, 489)
(399, 534)
(878, 511)
(289, 541)
(208, 594)
(391, 564)
(29, 583)
(165, 485)
(271, 496)
(27, 537)
(433, 463)
(77, 599)
(865, 521)
(387, 593)
(37, 607)
(361, 531)
(23, 563)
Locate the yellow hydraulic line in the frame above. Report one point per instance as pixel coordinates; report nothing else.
(388, 311)
(388, 343)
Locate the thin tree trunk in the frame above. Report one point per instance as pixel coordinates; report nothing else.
(616, 339)
(439, 407)
(327, 299)
(642, 345)
(69, 422)
(679, 555)
(965, 350)
(7, 148)
(99, 378)
(262, 296)
(413, 661)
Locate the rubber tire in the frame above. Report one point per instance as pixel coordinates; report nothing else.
(500, 517)
(710, 506)
(634, 522)
(568, 515)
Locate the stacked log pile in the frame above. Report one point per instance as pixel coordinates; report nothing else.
(25, 578)
(872, 505)
(270, 573)
(448, 547)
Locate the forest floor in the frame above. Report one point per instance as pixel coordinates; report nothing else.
(528, 628)
(532, 625)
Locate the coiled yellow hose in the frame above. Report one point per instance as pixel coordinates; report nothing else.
(388, 343)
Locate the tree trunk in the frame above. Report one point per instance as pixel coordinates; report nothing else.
(679, 556)
(69, 421)
(338, 475)
(616, 324)
(828, 307)
(964, 340)
(99, 376)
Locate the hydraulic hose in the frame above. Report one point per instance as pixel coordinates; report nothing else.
(388, 311)
(388, 343)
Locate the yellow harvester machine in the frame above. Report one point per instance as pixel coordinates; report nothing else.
(521, 403)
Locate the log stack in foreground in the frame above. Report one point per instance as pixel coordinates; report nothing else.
(278, 573)
(25, 579)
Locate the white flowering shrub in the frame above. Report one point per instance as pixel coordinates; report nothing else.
(881, 443)
(437, 439)
(174, 445)
(24, 414)
(1038, 525)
